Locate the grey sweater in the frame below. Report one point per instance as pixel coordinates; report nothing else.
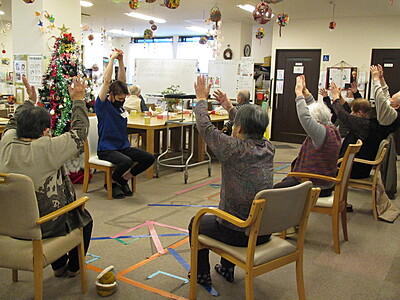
(385, 113)
(42, 160)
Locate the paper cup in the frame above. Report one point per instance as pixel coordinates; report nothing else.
(147, 120)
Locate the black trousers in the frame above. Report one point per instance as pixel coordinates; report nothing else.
(125, 158)
(72, 256)
(210, 227)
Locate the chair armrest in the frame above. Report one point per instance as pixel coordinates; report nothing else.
(311, 175)
(77, 203)
(367, 162)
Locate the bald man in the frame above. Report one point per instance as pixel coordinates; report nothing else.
(242, 98)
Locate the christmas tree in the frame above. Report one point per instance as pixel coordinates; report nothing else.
(64, 65)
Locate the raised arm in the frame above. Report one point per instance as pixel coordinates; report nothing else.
(226, 103)
(385, 113)
(121, 70)
(107, 75)
(315, 130)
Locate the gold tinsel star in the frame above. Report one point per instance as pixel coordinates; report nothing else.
(63, 29)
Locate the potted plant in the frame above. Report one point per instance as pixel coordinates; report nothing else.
(171, 102)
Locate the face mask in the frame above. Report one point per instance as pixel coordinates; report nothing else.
(118, 104)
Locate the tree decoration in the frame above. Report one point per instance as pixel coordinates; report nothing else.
(29, 1)
(54, 96)
(215, 15)
(172, 4)
(85, 27)
(154, 27)
(151, 22)
(148, 34)
(282, 19)
(203, 40)
(332, 24)
(134, 4)
(263, 13)
(45, 17)
(90, 37)
(260, 33)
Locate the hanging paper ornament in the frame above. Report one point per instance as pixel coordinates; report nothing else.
(203, 40)
(153, 27)
(172, 4)
(148, 34)
(95, 67)
(134, 4)
(151, 22)
(332, 25)
(282, 20)
(29, 1)
(90, 37)
(85, 27)
(263, 13)
(215, 14)
(150, 1)
(260, 33)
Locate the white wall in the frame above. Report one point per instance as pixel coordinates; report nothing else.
(6, 40)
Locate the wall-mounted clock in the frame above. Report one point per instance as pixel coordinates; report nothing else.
(247, 50)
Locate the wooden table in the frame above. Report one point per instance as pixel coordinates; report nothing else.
(137, 122)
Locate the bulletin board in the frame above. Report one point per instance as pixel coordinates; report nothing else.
(231, 76)
(342, 76)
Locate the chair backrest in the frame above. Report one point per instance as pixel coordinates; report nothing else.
(284, 207)
(345, 168)
(380, 155)
(93, 136)
(18, 207)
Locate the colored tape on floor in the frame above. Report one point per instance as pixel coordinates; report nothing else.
(196, 187)
(282, 167)
(183, 262)
(138, 236)
(182, 205)
(168, 274)
(95, 257)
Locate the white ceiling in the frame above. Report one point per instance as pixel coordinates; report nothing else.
(109, 14)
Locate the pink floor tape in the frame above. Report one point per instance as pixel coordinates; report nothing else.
(197, 186)
(153, 233)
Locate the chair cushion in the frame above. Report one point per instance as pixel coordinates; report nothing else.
(98, 161)
(18, 254)
(264, 253)
(325, 201)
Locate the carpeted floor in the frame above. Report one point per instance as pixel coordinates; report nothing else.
(367, 268)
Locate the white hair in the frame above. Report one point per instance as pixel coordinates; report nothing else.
(320, 112)
(134, 90)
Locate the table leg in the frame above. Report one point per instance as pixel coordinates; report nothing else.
(150, 149)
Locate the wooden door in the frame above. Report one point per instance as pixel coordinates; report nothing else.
(285, 123)
(389, 59)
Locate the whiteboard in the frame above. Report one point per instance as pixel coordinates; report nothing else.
(155, 75)
(232, 76)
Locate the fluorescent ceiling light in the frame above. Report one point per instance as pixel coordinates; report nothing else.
(86, 4)
(123, 32)
(247, 7)
(145, 17)
(2, 12)
(197, 29)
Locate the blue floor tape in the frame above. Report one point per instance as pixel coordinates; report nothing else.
(168, 274)
(95, 257)
(138, 236)
(180, 259)
(282, 167)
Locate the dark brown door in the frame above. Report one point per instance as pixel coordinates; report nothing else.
(285, 123)
(389, 59)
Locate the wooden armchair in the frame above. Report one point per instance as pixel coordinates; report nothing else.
(335, 204)
(370, 183)
(21, 243)
(269, 213)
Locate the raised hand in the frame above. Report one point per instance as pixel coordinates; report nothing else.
(78, 88)
(381, 77)
(375, 72)
(202, 88)
(335, 91)
(298, 89)
(306, 92)
(323, 92)
(29, 89)
(223, 99)
(115, 54)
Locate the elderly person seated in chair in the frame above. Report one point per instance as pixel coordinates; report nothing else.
(247, 168)
(28, 148)
(320, 150)
(135, 100)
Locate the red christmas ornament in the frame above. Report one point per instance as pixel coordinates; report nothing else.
(263, 13)
(3, 51)
(29, 1)
(90, 37)
(332, 25)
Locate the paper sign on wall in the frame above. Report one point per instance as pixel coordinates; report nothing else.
(298, 69)
(279, 86)
(280, 74)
